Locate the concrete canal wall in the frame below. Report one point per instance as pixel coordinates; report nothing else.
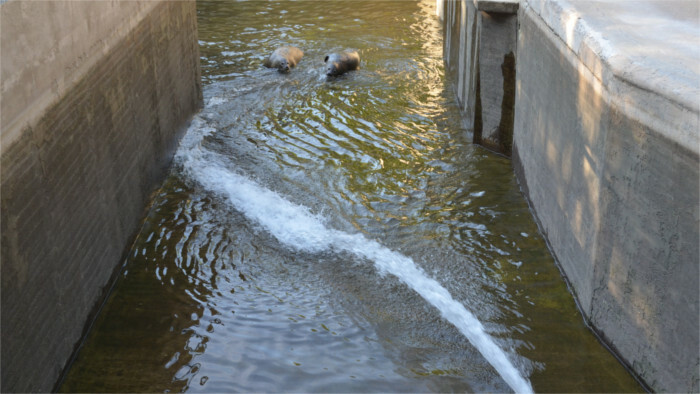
(605, 146)
(95, 96)
(480, 44)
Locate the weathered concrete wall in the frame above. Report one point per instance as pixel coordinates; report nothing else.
(460, 43)
(480, 45)
(606, 124)
(496, 87)
(610, 167)
(95, 96)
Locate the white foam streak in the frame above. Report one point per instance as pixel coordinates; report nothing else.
(296, 227)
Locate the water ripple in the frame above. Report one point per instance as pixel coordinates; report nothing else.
(210, 300)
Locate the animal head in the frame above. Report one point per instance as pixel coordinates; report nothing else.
(340, 63)
(283, 66)
(332, 67)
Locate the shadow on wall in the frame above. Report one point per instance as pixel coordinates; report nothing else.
(480, 53)
(77, 177)
(151, 325)
(618, 203)
(460, 55)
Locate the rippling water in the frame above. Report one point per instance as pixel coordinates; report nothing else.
(313, 231)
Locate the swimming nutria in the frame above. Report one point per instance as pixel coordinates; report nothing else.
(340, 63)
(284, 58)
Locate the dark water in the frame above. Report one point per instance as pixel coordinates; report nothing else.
(297, 243)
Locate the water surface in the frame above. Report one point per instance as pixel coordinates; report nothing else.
(313, 231)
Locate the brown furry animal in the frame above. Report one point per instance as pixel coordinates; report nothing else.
(340, 63)
(284, 59)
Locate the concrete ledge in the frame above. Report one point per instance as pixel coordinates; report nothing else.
(646, 53)
(497, 6)
(607, 117)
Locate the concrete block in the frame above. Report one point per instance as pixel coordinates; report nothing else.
(111, 86)
(480, 50)
(498, 6)
(608, 157)
(496, 73)
(461, 39)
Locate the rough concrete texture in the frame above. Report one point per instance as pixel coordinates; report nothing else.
(63, 35)
(647, 52)
(95, 95)
(496, 73)
(498, 6)
(606, 147)
(479, 51)
(460, 43)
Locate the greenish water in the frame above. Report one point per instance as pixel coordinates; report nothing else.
(272, 259)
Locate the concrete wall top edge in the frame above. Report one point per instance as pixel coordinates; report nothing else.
(498, 6)
(645, 52)
(54, 31)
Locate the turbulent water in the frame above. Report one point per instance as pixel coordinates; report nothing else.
(337, 234)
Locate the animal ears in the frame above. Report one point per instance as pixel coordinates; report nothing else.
(326, 59)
